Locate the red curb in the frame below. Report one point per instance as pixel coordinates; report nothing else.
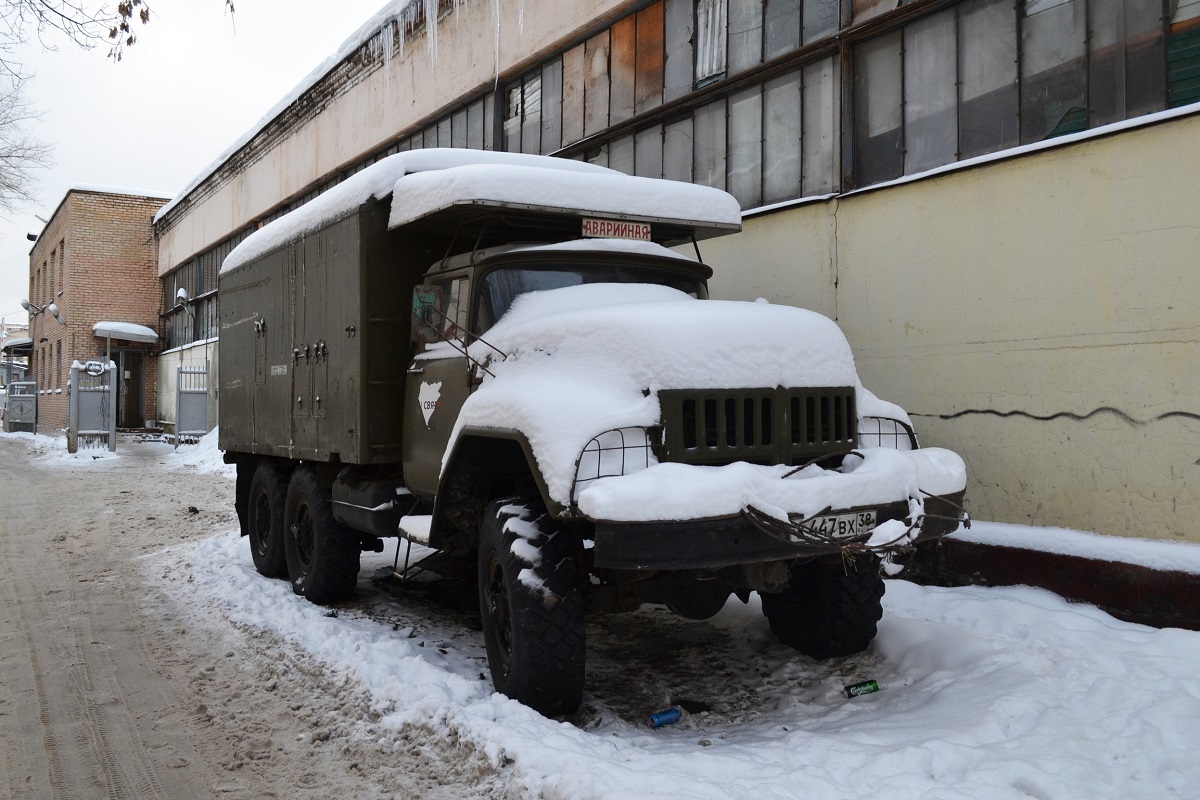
(1160, 598)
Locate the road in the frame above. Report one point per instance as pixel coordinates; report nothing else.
(109, 689)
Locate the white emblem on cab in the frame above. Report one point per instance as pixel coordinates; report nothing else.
(428, 398)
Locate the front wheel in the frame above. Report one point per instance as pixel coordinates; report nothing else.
(532, 604)
(828, 609)
(322, 556)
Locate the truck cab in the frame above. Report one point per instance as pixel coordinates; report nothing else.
(463, 297)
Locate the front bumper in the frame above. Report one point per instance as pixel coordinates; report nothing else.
(751, 538)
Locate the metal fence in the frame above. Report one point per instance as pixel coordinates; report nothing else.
(191, 404)
(93, 406)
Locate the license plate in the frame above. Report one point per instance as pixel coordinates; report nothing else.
(844, 526)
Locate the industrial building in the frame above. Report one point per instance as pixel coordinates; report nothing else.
(996, 200)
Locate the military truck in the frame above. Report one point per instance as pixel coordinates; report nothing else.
(500, 358)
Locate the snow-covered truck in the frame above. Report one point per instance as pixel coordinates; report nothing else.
(500, 358)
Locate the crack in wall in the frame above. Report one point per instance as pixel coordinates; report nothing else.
(989, 412)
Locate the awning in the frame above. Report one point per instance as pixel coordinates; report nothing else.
(15, 345)
(125, 330)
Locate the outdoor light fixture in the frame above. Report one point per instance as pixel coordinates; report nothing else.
(53, 309)
(182, 300)
(33, 308)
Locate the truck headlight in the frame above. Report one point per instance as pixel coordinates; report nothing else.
(886, 432)
(621, 451)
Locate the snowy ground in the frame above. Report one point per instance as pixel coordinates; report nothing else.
(986, 693)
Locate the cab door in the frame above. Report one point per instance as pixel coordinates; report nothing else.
(436, 386)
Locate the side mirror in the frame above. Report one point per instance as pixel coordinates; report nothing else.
(426, 315)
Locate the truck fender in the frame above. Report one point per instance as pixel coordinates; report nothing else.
(483, 464)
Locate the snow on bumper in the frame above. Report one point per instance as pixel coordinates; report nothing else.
(678, 516)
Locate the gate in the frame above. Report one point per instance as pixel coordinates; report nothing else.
(191, 404)
(20, 411)
(93, 415)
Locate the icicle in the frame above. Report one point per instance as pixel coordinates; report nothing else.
(521, 17)
(431, 20)
(496, 47)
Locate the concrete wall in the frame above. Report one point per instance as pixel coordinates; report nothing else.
(1040, 315)
(411, 86)
(168, 364)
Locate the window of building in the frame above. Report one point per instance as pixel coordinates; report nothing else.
(1126, 55)
(988, 89)
(1053, 68)
(708, 146)
(989, 74)
(62, 265)
(679, 25)
(1183, 54)
(745, 35)
(523, 115)
(930, 102)
(878, 110)
(711, 29)
(53, 270)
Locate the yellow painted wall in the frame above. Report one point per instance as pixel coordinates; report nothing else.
(1039, 314)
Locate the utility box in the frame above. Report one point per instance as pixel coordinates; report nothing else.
(20, 412)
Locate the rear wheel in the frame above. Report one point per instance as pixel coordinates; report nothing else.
(828, 609)
(322, 555)
(264, 520)
(531, 601)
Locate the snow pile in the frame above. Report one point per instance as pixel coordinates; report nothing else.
(986, 692)
(586, 359)
(378, 181)
(203, 456)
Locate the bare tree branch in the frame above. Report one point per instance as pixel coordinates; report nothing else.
(80, 23)
(21, 155)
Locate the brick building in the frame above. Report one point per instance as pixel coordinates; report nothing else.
(95, 262)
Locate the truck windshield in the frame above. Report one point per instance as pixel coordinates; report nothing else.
(500, 287)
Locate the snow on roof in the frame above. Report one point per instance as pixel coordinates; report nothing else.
(125, 330)
(14, 344)
(610, 194)
(103, 189)
(403, 11)
(378, 181)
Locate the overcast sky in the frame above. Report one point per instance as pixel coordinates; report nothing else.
(195, 81)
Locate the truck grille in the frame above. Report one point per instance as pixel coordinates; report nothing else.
(763, 426)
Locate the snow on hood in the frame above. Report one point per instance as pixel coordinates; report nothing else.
(583, 360)
(663, 338)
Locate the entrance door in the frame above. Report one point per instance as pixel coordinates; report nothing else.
(131, 365)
